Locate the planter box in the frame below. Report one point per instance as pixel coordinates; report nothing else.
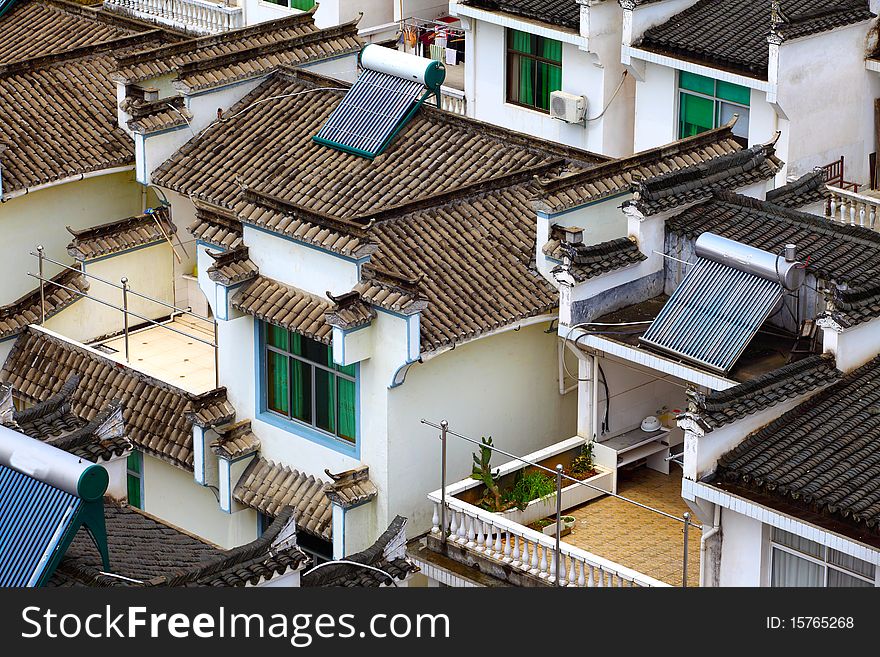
(572, 496)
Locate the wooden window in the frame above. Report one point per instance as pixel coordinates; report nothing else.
(534, 69)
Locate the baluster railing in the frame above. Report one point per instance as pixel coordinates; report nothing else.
(196, 16)
(850, 208)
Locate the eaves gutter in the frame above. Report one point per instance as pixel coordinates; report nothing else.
(69, 179)
(523, 25)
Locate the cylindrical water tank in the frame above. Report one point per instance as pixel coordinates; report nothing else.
(429, 72)
(52, 465)
(747, 258)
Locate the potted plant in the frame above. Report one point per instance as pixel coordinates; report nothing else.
(528, 486)
(548, 525)
(582, 466)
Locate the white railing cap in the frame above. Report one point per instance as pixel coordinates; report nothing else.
(870, 200)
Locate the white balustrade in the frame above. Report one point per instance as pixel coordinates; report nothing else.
(853, 209)
(530, 551)
(453, 100)
(197, 16)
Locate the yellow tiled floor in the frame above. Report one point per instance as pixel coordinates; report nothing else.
(637, 538)
(171, 357)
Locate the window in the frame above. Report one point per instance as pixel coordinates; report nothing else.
(796, 562)
(134, 477)
(705, 103)
(303, 5)
(302, 383)
(534, 69)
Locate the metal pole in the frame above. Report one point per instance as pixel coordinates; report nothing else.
(42, 288)
(216, 357)
(684, 572)
(558, 521)
(444, 427)
(124, 282)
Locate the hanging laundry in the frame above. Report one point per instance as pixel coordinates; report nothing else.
(451, 56)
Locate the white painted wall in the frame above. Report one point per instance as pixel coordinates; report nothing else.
(117, 469)
(40, 218)
(504, 386)
(171, 494)
(742, 549)
(595, 75)
(853, 347)
(328, 14)
(656, 111)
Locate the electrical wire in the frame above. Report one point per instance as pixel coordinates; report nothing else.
(611, 100)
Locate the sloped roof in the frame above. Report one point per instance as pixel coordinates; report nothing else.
(270, 487)
(765, 390)
(285, 306)
(158, 416)
(836, 252)
(732, 34)
(587, 261)
(562, 13)
(116, 236)
(618, 176)
(456, 218)
(231, 267)
(235, 55)
(806, 190)
(14, 317)
(153, 553)
(822, 456)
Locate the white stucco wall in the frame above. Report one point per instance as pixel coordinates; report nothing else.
(328, 14)
(656, 111)
(504, 386)
(855, 346)
(40, 218)
(148, 271)
(742, 550)
(582, 74)
(171, 494)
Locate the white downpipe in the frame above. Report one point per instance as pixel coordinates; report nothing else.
(562, 389)
(594, 385)
(716, 526)
(69, 179)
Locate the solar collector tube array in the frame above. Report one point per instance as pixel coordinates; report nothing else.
(370, 112)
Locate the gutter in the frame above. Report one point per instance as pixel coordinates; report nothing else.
(716, 527)
(75, 178)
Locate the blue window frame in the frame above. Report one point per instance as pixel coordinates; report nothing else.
(302, 390)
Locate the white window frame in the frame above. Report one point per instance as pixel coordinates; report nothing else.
(824, 562)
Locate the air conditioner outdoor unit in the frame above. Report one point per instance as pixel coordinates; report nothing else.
(568, 107)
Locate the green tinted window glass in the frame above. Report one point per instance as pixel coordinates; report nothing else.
(698, 83)
(733, 92)
(697, 115)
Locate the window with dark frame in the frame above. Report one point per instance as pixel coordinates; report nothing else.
(534, 69)
(302, 383)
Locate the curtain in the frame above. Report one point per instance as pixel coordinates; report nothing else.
(325, 391)
(347, 417)
(304, 5)
(302, 382)
(278, 389)
(522, 42)
(792, 571)
(697, 115)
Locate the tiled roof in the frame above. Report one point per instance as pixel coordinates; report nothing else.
(823, 456)
(387, 554)
(349, 311)
(595, 259)
(269, 487)
(157, 415)
(232, 267)
(53, 421)
(731, 171)
(390, 292)
(564, 13)
(216, 226)
(64, 63)
(26, 310)
(41, 27)
(116, 236)
(732, 34)
(350, 488)
(836, 252)
(722, 407)
(235, 440)
(240, 54)
(210, 409)
(806, 190)
(618, 176)
(286, 306)
(145, 549)
(286, 164)
(456, 217)
(152, 116)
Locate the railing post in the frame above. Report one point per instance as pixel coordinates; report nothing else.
(444, 427)
(557, 560)
(124, 282)
(684, 571)
(42, 287)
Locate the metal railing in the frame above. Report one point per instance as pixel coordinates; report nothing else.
(124, 309)
(473, 527)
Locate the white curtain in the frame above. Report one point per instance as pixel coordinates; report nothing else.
(791, 571)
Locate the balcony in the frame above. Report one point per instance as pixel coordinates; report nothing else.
(851, 208)
(612, 542)
(195, 16)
